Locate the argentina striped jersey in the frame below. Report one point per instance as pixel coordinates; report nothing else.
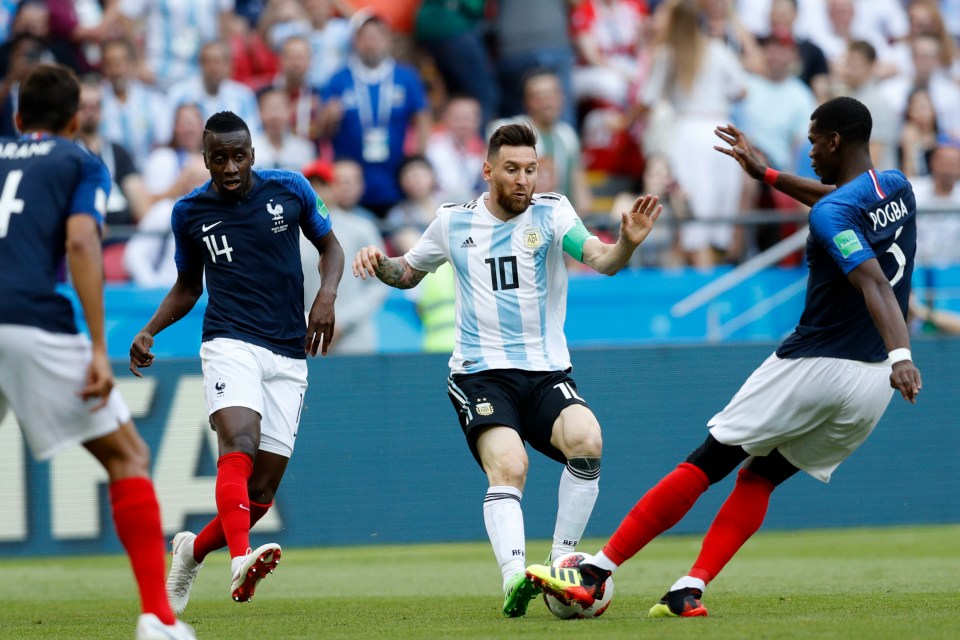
(511, 282)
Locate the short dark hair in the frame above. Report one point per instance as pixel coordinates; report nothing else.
(511, 135)
(865, 49)
(412, 160)
(49, 97)
(847, 116)
(224, 122)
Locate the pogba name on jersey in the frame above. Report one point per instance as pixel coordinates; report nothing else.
(888, 214)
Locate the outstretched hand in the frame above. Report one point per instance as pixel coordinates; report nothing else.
(740, 150)
(636, 224)
(905, 378)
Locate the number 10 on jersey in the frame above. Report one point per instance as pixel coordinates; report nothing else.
(216, 250)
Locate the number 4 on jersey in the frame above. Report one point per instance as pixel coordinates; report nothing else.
(9, 202)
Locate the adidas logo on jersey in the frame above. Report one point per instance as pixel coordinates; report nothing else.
(468, 244)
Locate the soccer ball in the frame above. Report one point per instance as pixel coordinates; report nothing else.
(566, 611)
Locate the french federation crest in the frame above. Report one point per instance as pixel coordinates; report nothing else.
(532, 238)
(485, 409)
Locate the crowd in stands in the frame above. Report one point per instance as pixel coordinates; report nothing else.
(386, 104)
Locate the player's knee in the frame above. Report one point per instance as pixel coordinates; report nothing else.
(128, 456)
(508, 469)
(260, 492)
(584, 443)
(239, 442)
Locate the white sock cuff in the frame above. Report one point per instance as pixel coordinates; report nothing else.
(602, 561)
(689, 582)
(503, 492)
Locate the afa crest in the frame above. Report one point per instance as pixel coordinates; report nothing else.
(485, 409)
(532, 238)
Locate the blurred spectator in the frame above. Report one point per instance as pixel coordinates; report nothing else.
(420, 202)
(700, 78)
(134, 115)
(303, 99)
(457, 152)
(814, 70)
(25, 51)
(278, 147)
(607, 38)
(175, 171)
(451, 32)
(841, 29)
(918, 134)
(533, 34)
(720, 22)
(929, 73)
(660, 249)
(559, 166)
(348, 188)
(282, 19)
(32, 18)
(435, 297)
(368, 107)
(938, 233)
(173, 33)
(860, 83)
(128, 200)
(925, 19)
(776, 110)
(358, 301)
(873, 20)
(254, 62)
(329, 38)
(214, 91)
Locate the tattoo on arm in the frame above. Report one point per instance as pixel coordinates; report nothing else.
(397, 273)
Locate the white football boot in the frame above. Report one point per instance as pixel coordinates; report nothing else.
(183, 571)
(250, 569)
(149, 627)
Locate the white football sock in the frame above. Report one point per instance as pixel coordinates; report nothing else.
(504, 519)
(689, 582)
(602, 561)
(577, 495)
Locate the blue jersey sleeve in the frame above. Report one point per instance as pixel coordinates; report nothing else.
(314, 217)
(837, 229)
(186, 255)
(90, 196)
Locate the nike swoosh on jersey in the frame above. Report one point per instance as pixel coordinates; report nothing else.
(207, 227)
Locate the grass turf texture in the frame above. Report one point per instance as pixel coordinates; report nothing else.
(854, 583)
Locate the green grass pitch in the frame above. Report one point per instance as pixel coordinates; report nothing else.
(876, 584)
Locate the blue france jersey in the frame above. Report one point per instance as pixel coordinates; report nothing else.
(250, 251)
(873, 216)
(45, 180)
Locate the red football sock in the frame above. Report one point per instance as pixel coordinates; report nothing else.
(233, 501)
(136, 515)
(212, 538)
(738, 519)
(658, 510)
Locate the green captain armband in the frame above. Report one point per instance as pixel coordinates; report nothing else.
(575, 239)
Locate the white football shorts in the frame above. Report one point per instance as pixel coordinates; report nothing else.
(41, 374)
(816, 411)
(240, 374)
